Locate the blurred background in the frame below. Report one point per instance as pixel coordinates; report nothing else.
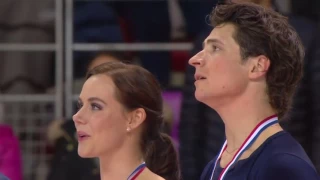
(46, 47)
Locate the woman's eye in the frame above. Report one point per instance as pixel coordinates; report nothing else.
(79, 105)
(95, 106)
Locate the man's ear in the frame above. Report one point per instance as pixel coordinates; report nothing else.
(136, 118)
(258, 67)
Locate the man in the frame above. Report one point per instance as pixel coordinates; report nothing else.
(201, 128)
(248, 71)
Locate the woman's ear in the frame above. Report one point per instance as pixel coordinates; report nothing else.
(136, 118)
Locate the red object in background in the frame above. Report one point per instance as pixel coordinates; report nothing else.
(10, 157)
(125, 30)
(179, 60)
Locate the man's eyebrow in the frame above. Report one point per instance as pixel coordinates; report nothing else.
(211, 41)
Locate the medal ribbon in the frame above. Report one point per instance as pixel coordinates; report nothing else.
(137, 171)
(245, 145)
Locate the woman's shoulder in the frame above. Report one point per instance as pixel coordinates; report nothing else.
(147, 175)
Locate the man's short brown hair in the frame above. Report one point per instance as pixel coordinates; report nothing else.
(262, 31)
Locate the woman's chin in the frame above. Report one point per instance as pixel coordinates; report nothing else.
(84, 154)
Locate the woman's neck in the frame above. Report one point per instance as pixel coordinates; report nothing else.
(120, 164)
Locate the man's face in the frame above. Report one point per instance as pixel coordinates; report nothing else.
(220, 75)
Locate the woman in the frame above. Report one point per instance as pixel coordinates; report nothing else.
(119, 121)
(248, 70)
(66, 163)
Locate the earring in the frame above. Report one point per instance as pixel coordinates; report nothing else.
(128, 129)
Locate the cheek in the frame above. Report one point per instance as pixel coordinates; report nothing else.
(226, 74)
(219, 71)
(109, 131)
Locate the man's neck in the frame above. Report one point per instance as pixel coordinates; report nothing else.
(119, 164)
(241, 117)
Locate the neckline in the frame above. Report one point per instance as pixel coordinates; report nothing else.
(241, 162)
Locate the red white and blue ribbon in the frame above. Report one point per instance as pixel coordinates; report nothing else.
(137, 171)
(245, 145)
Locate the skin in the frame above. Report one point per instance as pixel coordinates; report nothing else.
(100, 60)
(54, 130)
(113, 132)
(265, 3)
(235, 88)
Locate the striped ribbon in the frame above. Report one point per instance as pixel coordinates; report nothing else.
(137, 171)
(245, 145)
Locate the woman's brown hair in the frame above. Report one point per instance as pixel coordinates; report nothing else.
(138, 88)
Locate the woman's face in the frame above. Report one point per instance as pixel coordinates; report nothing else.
(101, 119)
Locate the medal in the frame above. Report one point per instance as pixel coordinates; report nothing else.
(245, 145)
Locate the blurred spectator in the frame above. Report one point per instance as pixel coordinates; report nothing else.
(94, 22)
(306, 8)
(303, 120)
(149, 22)
(194, 13)
(19, 25)
(313, 79)
(168, 118)
(10, 155)
(202, 130)
(2, 177)
(95, 58)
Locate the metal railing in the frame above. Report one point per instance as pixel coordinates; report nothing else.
(56, 47)
(71, 46)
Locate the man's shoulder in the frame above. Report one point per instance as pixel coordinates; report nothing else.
(284, 144)
(288, 166)
(281, 146)
(281, 156)
(287, 160)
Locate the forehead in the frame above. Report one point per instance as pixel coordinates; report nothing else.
(223, 34)
(100, 86)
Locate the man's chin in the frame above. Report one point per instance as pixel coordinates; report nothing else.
(199, 96)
